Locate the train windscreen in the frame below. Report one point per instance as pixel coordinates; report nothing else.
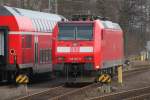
(74, 31)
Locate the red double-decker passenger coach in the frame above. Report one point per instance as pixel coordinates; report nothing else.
(25, 41)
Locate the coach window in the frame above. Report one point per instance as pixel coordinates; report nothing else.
(50, 22)
(45, 24)
(26, 41)
(42, 25)
(37, 25)
(41, 56)
(45, 55)
(49, 55)
(48, 25)
(34, 24)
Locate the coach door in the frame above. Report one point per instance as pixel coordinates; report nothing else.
(36, 53)
(3, 46)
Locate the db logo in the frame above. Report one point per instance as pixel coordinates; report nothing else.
(74, 49)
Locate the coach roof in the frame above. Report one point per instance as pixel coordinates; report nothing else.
(39, 21)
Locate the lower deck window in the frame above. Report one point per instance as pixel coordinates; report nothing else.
(45, 56)
(26, 41)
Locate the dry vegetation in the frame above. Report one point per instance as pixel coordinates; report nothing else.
(133, 15)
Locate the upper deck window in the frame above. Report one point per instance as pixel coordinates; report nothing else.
(74, 31)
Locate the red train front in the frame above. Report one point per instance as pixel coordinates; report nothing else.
(81, 47)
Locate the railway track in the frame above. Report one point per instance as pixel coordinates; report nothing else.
(57, 93)
(136, 70)
(145, 96)
(66, 93)
(45, 93)
(134, 94)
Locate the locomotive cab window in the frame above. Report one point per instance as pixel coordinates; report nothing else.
(84, 33)
(73, 31)
(66, 33)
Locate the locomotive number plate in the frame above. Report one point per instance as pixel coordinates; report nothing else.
(74, 49)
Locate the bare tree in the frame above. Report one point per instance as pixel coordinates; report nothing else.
(134, 20)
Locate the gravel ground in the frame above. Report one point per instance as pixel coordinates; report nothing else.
(10, 92)
(138, 80)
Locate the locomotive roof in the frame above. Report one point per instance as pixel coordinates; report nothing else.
(41, 21)
(111, 25)
(106, 24)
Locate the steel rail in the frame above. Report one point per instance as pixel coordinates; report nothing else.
(145, 96)
(123, 95)
(38, 93)
(67, 94)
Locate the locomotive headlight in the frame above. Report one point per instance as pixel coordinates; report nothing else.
(60, 58)
(88, 58)
(97, 67)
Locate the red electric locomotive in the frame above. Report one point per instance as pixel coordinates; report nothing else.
(87, 47)
(25, 41)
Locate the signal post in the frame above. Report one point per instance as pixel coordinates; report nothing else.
(120, 74)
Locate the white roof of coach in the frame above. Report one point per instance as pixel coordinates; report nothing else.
(43, 22)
